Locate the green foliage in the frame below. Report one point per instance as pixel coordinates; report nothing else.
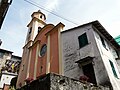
(12, 88)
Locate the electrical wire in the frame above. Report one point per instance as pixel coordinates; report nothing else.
(41, 7)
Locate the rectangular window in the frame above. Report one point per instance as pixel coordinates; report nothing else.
(103, 42)
(113, 68)
(83, 40)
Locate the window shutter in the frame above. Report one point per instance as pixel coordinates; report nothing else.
(113, 69)
(83, 40)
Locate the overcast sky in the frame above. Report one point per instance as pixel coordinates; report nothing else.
(14, 28)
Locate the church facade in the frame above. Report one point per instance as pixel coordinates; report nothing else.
(42, 50)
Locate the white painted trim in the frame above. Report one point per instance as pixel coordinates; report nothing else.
(36, 61)
(60, 52)
(29, 59)
(35, 29)
(48, 55)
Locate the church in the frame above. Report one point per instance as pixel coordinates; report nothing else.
(86, 50)
(42, 50)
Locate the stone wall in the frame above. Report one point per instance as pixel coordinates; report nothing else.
(58, 82)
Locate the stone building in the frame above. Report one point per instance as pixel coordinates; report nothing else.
(84, 51)
(90, 50)
(4, 55)
(9, 67)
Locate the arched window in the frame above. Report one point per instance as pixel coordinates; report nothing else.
(43, 50)
(39, 28)
(41, 16)
(30, 30)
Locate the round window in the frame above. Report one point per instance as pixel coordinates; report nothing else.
(43, 50)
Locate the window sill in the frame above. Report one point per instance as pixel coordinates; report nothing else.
(85, 45)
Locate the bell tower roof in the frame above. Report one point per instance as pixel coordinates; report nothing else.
(39, 15)
(36, 24)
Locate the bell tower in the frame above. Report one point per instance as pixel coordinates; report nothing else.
(35, 25)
